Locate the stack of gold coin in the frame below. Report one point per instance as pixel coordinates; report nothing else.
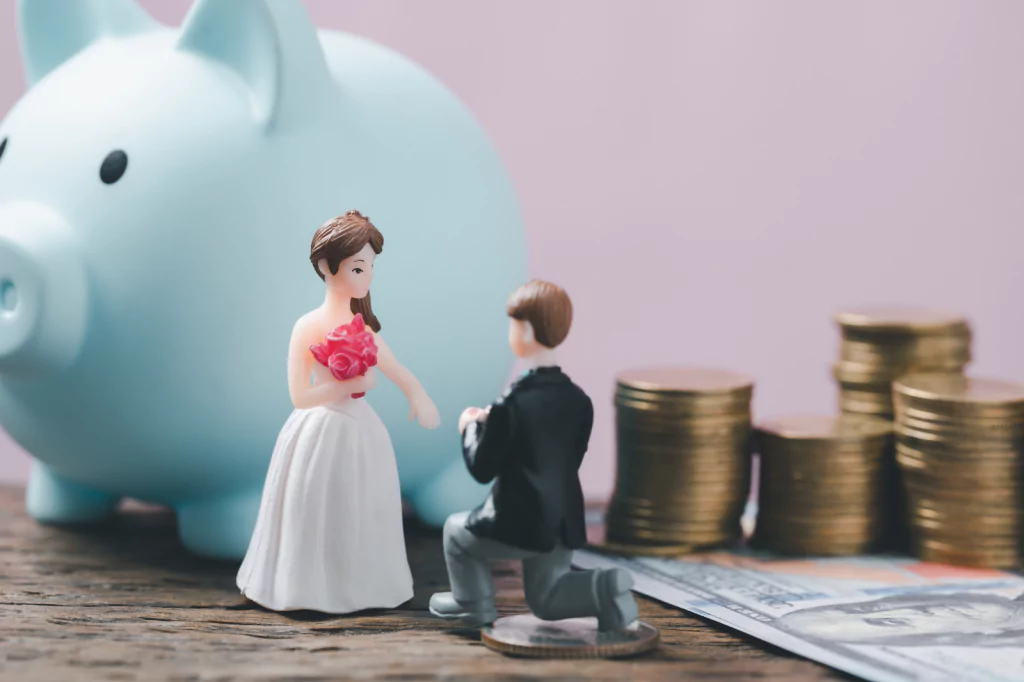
(958, 443)
(882, 344)
(683, 476)
(823, 485)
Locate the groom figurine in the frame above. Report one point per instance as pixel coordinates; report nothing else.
(531, 442)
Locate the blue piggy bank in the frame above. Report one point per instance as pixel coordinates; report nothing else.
(159, 189)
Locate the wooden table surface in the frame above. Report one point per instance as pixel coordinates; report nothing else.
(125, 601)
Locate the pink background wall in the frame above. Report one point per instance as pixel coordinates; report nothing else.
(712, 180)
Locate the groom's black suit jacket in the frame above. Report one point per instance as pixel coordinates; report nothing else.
(532, 442)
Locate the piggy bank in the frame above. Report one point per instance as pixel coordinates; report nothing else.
(159, 189)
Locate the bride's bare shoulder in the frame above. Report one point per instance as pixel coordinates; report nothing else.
(308, 324)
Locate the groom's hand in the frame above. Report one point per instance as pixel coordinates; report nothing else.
(470, 414)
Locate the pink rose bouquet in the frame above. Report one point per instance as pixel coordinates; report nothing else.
(349, 351)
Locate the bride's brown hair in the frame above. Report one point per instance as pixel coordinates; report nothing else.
(343, 237)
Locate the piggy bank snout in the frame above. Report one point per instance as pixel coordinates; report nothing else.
(43, 292)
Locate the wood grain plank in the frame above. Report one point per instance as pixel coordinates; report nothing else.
(125, 601)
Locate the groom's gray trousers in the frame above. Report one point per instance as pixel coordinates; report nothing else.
(553, 590)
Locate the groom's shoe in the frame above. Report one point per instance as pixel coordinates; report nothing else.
(476, 614)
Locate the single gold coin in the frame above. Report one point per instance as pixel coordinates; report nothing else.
(1004, 553)
(674, 433)
(720, 503)
(801, 547)
(863, 378)
(880, 395)
(646, 480)
(687, 408)
(701, 540)
(690, 528)
(640, 537)
(666, 502)
(866, 410)
(824, 428)
(784, 542)
(975, 527)
(967, 429)
(670, 506)
(883, 319)
(640, 549)
(997, 515)
(906, 349)
(962, 442)
(859, 375)
(527, 636)
(944, 419)
(947, 505)
(864, 502)
(729, 397)
(959, 455)
(957, 394)
(849, 526)
(666, 534)
(685, 380)
(869, 402)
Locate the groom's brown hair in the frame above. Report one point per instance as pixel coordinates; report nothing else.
(546, 307)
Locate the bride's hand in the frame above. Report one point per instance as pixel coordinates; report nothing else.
(340, 390)
(369, 380)
(422, 407)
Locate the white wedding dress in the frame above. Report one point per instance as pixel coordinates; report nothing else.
(329, 535)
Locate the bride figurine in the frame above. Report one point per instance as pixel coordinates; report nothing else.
(329, 535)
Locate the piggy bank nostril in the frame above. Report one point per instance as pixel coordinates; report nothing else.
(8, 296)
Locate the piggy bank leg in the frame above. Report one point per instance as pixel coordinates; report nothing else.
(221, 527)
(452, 490)
(51, 498)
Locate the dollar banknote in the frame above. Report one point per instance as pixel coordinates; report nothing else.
(883, 619)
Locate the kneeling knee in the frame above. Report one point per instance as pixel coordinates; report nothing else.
(453, 527)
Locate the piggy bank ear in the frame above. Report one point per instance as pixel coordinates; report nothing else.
(242, 35)
(53, 31)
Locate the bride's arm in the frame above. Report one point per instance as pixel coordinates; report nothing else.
(420, 403)
(300, 364)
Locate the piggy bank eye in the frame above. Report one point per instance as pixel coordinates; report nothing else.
(3, 146)
(113, 166)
